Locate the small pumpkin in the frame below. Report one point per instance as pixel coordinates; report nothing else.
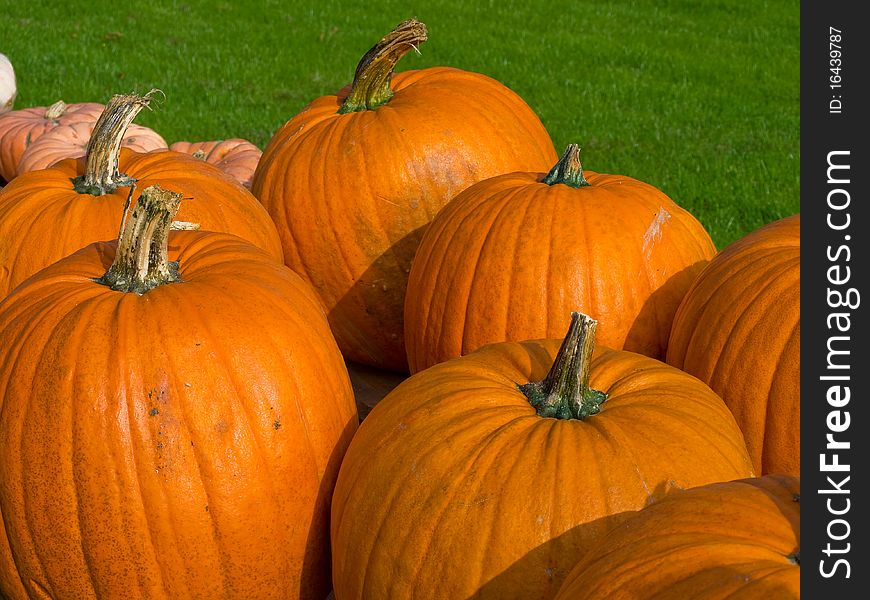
(71, 141)
(8, 87)
(738, 540)
(20, 128)
(236, 156)
(170, 427)
(509, 257)
(489, 476)
(353, 180)
(738, 330)
(80, 201)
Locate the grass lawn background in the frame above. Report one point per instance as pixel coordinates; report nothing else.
(700, 99)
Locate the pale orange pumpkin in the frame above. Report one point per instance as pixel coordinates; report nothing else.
(171, 427)
(20, 128)
(235, 156)
(71, 141)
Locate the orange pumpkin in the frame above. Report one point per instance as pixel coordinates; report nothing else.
(77, 202)
(71, 141)
(738, 540)
(234, 156)
(353, 180)
(468, 481)
(511, 256)
(738, 330)
(171, 427)
(20, 128)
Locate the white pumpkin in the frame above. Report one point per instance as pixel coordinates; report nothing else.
(7, 84)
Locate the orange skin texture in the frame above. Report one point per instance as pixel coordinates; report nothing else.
(454, 487)
(71, 141)
(722, 541)
(235, 156)
(179, 444)
(352, 193)
(738, 330)
(60, 221)
(511, 257)
(20, 128)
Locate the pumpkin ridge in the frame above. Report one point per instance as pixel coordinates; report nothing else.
(168, 550)
(745, 318)
(473, 284)
(515, 310)
(718, 285)
(220, 356)
(624, 400)
(125, 330)
(325, 139)
(770, 409)
(503, 218)
(55, 333)
(456, 485)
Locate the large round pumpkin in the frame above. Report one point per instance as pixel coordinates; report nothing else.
(468, 480)
(511, 256)
(20, 128)
(738, 330)
(353, 180)
(738, 540)
(169, 428)
(77, 202)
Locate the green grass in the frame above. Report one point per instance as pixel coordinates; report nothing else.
(700, 98)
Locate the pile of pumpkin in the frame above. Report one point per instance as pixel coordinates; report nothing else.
(176, 415)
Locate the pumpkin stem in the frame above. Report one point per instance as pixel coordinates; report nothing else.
(55, 111)
(565, 392)
(142, 260)
(568, 170)
(371, 82)
(104, 148)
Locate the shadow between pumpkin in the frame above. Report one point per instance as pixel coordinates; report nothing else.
(660, 307)
(316, 576)
(379, 295)
(776, 585)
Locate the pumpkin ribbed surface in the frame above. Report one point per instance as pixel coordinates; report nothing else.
(454, 487)
(234, 156)
(20, 128)
(71, 141)
(179, 444)
(738, 330)
(736, 541)
(510, 257)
